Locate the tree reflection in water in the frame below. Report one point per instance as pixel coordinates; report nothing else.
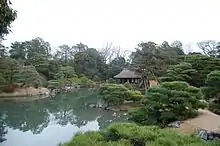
(64, 108)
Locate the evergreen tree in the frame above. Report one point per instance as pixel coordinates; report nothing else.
(168, 102)
(211, 91)
(203, 65)
(180, 72)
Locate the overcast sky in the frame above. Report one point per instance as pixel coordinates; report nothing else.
(122, 22)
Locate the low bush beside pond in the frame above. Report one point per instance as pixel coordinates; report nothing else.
(83, 82)
(115, 94)
(129, 134)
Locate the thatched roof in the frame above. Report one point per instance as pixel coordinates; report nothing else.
(127, 73)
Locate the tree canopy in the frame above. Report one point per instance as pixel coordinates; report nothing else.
(211, 90)
(153, 59)
(203, 65)
(7, 16)
(180, 72)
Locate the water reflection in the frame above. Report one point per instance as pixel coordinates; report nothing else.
(65, 113)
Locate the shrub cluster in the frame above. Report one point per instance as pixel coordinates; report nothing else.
(129, 134)
(114, 94)
(83, 81)
(211, 91)
(168, 102)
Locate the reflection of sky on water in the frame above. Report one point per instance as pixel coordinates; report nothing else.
(50, 136)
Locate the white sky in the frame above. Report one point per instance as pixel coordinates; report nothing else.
(122, 22)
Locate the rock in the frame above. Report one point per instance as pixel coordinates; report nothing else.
(203, 134)
(92, 105)
(100, 104)
(208, 135)
(175, 124)
(126, 102)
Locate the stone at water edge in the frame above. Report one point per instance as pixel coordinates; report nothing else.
(207, 135)
(175, 124)
(92, 105)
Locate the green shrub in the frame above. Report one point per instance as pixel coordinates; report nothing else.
(75, 80)
(203, 64)
(128, 85)
(111, 80)
(2, 83)
(180, 72)
(134, 95)
(168, 102)
(212, 91)
(129, 134)
(96, 79)
(85, 80)
(28, 75)
(114, 94)
(53, 84)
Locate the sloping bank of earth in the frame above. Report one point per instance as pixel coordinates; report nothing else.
(28, 93)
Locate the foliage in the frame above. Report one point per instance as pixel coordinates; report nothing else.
(212, 91)
(82, 81)
(8, 68)
(90, 63)
(18, 50)
(7, 16)
(65, 72)
(65, 54)
(28, 75)
(53, 84)
(128, 85)
(168, 102)
(114, 94)
(85, 80)
(153, 59)
(180, 72)
(204, 65)
(111, 80)
(116, 66)
(2, 82)
(128, 134)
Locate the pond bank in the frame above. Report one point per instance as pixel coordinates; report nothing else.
(28, 93)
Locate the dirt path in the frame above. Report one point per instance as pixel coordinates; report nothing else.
(206, 120)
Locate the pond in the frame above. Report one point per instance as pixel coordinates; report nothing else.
(51, 121)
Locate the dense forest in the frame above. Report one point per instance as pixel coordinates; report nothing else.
(36, 62)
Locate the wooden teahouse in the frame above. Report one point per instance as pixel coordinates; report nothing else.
(133, 77)
(128, 75)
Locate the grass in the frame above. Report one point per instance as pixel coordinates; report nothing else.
(129, 134)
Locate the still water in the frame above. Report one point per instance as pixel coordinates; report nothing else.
(51, 121)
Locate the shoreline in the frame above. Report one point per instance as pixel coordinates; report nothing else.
(26, 94)
(23, 98)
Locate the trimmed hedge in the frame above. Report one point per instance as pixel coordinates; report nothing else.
(115, 94)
